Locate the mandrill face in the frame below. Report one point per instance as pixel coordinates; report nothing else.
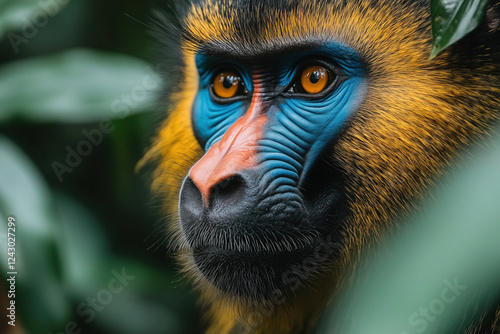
(297, 131)
(263, 197)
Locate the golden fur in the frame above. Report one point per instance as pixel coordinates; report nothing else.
(417, 113)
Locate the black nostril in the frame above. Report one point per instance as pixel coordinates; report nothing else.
(191, 200)
(230, 192)
(226, 196)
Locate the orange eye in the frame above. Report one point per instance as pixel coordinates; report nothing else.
(314, 79)
(226, 84)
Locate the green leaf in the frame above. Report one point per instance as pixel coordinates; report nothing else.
(89, 268)
(84, 247)
(25, 196)
(76, 86)
(18, 14)
(453, 240)
(453, 19)
(153, 315)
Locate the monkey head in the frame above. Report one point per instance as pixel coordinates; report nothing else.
(297, 131)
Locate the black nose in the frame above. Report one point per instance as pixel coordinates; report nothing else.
(242, 211)
(230, 192)
(227, 198)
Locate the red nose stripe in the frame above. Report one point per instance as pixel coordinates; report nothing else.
(236, 151)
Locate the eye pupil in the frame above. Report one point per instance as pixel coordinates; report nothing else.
(314, 77)
(228, 82)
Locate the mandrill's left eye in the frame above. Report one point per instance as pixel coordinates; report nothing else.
(315, 80)
(227, 85)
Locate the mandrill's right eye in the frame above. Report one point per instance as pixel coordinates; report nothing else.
(227, 85)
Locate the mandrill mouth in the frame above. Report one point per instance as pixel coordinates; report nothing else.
(259, 245)
(260, 271)
(254, 275)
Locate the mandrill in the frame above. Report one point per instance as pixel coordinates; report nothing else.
(297, 131)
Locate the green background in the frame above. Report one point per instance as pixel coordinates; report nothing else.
(88, 66)
(72, 231)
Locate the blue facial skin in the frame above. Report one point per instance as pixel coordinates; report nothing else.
(211, 119)
(299, 127)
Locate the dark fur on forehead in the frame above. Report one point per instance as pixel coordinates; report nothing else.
(249, 42)
(234, 50)
(249, 37)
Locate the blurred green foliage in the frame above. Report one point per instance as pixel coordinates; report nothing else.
(82, 86)
(76, 113)
(77, 92)
(443, 265)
